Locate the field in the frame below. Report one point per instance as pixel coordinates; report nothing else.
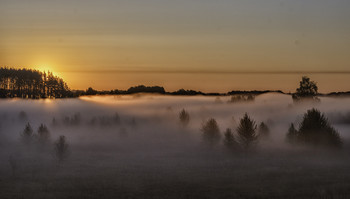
(134, 146)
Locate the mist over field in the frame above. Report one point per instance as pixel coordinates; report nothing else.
(134, 146)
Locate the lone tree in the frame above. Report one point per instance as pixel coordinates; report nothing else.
(211, 132)
(184, 117)
(247, 135)
(264, 131)
(317, 131)
(292, 135)
(27, 134)
(61, 148)
(43, 135)
(230, 140)
(307, 90)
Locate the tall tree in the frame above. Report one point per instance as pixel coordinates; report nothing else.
(246, 130)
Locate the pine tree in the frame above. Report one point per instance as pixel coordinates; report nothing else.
(230, 140)
(247, 135)
(316, 130)
(27, 134)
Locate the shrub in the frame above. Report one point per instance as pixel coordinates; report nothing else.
(211, 132)
(230, 140)
(61, 148)
(184, 117)
(264, 131)
(292, 135)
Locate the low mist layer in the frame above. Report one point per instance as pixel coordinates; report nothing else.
(135, 146)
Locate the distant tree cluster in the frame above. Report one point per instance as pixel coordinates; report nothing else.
(246, 138)
(27, 83)
(42, 140)
(242, 98)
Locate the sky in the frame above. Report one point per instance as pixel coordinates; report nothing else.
(120, 43)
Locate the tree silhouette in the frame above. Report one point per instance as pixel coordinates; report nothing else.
(43, 135)
(211, 132)
(307, 90)
(61, 148)
(292, 135)
(184, 117)
(27, 83)
(263, 130)
(27, 134)
(230, 140)
(316, 130)
(247, 135)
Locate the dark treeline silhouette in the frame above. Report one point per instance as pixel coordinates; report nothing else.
(28, 83)
(34, 84)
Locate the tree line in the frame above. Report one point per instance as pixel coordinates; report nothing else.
(34, 84)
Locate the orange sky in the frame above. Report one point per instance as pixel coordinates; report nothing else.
(77, 38)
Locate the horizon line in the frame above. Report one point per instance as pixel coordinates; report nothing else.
(203, 72)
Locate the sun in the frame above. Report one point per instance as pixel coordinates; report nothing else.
(44, 67)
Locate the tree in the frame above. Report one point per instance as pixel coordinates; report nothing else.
(292, 135)
(43, 135)
(307, 89)
(316, 130)
(247, 135)
(61, 148)
(27, 134)
(211, 132)
(264, 130)
(184, 117)
(230, 140)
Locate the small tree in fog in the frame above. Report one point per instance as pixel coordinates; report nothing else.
(264, 131)
(27, 134)
(22, 116)
(247, 135)
(211, 132)
(61, 148)
(184, 117)
(292, 135)
(43, 135)
(116, 118)
(316, 130)
(229, 140)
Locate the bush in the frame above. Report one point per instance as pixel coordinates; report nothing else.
(184, 117)
(61, 148)
(230, 140)
(292, 135)
(211, 132)
(247, 135)
(264, 131)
